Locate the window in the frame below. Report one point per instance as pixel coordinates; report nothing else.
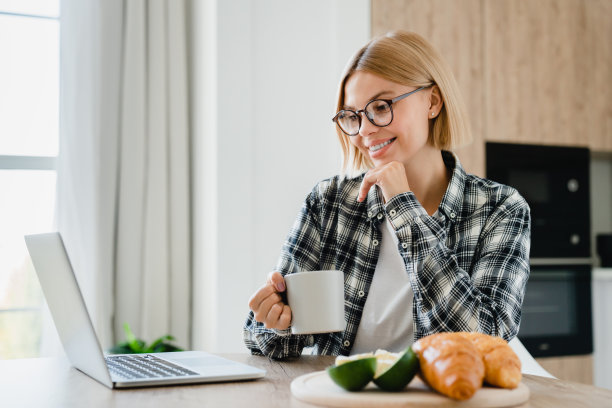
(29, 143)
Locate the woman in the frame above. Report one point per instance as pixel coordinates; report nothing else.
(424, 247)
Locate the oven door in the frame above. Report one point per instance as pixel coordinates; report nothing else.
(556, 316)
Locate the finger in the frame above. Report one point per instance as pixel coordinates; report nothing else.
(368, 181)
(277, 280)
(271, 319)
(264, 307)
(264, 292)
(284, 321)
(267, 303)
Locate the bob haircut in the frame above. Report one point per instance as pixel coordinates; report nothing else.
(407, 58)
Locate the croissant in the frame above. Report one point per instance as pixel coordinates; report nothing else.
(450, 364)
(502, 365)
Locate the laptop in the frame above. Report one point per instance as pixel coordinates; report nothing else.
(83, 349)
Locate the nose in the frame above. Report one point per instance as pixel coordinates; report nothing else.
(366, 127)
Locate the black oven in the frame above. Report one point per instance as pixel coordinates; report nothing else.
(556, 316)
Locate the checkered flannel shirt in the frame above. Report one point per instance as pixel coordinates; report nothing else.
(468, 267)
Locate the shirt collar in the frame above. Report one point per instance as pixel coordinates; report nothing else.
(452, 202)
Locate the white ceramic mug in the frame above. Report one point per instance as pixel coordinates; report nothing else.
(316, 299)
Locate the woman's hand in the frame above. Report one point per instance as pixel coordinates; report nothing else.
(268, 306)
(391, 178)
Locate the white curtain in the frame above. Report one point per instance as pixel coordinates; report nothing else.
(124, 164)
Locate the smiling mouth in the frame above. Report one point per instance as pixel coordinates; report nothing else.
(380, 146)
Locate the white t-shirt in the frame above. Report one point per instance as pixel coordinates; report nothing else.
(386, 322)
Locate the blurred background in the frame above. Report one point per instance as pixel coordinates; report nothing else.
(173, 142)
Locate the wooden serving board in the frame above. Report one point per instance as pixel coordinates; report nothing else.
(317, 388)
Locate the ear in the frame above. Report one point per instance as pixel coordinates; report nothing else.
(435, 102)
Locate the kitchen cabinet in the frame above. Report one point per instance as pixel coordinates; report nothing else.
(530, 71)
(547, 72)
(569, 368)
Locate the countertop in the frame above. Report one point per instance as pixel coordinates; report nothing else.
(52, 382)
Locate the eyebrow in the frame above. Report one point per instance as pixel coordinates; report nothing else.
(378, 95)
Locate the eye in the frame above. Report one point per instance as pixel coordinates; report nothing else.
(347, 117)
(378, 107)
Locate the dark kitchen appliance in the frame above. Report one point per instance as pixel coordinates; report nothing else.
(555, 182)
(604, 249)
(556, 316)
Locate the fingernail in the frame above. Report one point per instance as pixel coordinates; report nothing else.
(280, 286)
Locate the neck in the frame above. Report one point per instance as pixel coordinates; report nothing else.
(428, 178)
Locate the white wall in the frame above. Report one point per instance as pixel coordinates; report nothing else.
(266, 75)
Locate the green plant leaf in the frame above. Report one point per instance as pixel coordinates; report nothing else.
(154, 345)
(166, 348)
(121, 348)
(136, 345)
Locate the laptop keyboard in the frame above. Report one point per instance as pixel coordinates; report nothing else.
(137, 366)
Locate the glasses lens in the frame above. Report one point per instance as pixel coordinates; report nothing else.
(379, 112)
(348, 122)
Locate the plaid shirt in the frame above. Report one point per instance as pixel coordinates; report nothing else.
(468, 267)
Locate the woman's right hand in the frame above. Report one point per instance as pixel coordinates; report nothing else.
(268, 306)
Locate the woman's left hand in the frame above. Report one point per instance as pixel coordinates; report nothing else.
(391, 178)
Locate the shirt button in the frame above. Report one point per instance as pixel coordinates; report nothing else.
(392, 213)
(361, 293)
(452, 215)
(375, 242)
(404, 245)
(346, 343)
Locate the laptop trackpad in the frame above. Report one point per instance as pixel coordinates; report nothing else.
(208, 364)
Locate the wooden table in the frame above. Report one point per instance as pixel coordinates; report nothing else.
(52, 382)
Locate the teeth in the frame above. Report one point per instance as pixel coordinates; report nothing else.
(380, 146)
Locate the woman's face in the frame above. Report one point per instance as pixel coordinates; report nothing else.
(407, 134)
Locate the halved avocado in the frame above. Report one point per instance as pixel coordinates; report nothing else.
(355, 373)
(395, 371)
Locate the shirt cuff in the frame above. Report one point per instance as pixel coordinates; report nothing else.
(403, 209)
(283, 333)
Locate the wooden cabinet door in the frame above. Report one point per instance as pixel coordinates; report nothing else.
(548, 72)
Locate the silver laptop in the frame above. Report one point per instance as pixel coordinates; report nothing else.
(79, 339)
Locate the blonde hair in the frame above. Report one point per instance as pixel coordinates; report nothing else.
(407, 58)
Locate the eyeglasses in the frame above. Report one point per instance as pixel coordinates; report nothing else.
(378, 112)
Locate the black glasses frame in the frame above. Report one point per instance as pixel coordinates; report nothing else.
(389, 102)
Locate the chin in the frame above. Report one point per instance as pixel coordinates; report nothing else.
(385, 160)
